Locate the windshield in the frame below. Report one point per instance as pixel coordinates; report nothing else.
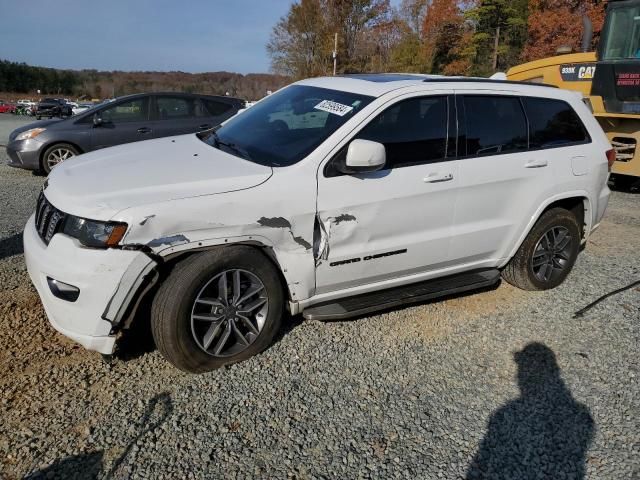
(287, 126)
(623, 34)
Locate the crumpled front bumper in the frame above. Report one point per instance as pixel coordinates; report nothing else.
(99, 275)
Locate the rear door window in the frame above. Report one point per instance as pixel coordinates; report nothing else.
(175, 108)
(494, 125)
(553, 123)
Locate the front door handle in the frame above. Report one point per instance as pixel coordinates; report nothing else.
(538, 163)
(144, 130)
(437, 177)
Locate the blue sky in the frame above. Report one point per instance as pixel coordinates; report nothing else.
(187, 35)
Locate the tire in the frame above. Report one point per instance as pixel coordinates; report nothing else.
(527, 270)
(62, 151)
(185, 296)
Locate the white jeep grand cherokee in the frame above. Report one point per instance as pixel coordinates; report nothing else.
(332, 198)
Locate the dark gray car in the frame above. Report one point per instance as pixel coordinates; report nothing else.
(42, 145)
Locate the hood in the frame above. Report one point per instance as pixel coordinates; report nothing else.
(38, 124)
(99, 184)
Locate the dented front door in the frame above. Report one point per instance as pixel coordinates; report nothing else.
(384, 225)
(397, 221)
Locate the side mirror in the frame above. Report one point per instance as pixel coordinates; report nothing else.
(365, 156)
(97, 120)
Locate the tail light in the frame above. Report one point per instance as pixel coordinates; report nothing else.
(611, 157)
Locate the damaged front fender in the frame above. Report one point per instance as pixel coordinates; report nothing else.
(265, 216)
(141, 271)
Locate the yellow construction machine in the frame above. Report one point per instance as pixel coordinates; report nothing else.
(609, 79)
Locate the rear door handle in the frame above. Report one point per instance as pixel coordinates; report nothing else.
(437, 177)
(538, 163)
(144, 130)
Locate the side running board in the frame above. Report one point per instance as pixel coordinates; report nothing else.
(407, 294)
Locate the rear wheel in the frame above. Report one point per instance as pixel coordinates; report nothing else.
(216, 308)
(56, 154)
(547, 254)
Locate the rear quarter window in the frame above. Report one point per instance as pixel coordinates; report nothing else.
(173, 108)
(553, 123)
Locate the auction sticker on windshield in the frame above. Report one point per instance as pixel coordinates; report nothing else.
(333, 107)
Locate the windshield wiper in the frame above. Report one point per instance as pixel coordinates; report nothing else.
(217, 143)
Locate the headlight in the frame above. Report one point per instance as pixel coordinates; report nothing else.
(94, 234)
(32, 133)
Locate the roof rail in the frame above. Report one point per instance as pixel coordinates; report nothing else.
(485, 80)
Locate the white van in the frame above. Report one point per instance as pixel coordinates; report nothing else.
(332, 198)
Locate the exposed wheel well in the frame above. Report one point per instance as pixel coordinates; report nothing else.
(576, 205)
(142, 299)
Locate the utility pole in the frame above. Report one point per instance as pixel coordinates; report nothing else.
(335, 53)
(495, 49)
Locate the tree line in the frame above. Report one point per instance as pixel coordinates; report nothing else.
(451, 37)
(23, 78)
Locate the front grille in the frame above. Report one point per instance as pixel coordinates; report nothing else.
(49, 219)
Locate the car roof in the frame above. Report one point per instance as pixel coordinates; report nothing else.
(377, 84)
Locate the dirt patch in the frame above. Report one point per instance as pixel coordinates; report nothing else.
(613, 236)
(442, 317)
(30, 345)
(505, 297)
(24, 296)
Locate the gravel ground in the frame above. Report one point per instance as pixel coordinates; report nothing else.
(502, 381)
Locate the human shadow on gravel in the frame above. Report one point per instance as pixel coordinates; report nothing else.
(544, 433)
(90, 465)
(11, 246)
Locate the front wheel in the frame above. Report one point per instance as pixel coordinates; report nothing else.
(216, 308)
(56, 154)
(547, 254)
